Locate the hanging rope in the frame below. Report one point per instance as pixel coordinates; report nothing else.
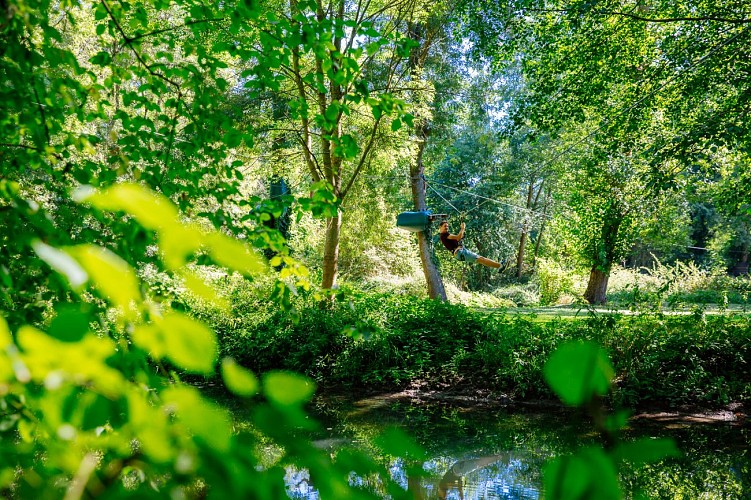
(440, 196)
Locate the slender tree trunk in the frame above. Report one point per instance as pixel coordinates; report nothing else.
(331, 251)
(537, 244)
(436, 290)
(520, 252)
(597, 287)
(542, 230)
(525, 231)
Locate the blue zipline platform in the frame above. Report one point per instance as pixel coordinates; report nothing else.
(417, 221)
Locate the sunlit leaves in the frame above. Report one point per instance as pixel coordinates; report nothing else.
(6, 338)
(151, 427)
(198, 287)
(287, 389)
(178, 240)
(62, 263)
(52, 361)
(578, 371)
(186, 342)
(205, 421)
(238, 380)
(111, 275)
(151, 210)
(234, 254)
(126, 91)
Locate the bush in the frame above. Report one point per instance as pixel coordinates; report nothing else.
(676, 285)
(387, 342)
(553, 281)
(519, 295)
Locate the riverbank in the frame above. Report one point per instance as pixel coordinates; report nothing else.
(735, 414)
(390, 343)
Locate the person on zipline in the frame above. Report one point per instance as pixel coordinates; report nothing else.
(453, 243)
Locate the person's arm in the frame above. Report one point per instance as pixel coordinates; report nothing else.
(458, 237)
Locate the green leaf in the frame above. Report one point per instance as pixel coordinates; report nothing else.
(235, 255)
(205, 421)
(62, 263)
(287, 389)
(198, 287)
(588, 474)
(6, 338)
(233, 138)
(151, 210)
(577, 371)
(238, 380)
(646, 450)
(189, 344)
(101, 58)
(69, 325)
(150, 424)
(111, 275)
(151, 339)
(396, 124)
(178, 241)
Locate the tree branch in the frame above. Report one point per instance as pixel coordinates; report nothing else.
(173, 28)
(365, 154)
(129, 42)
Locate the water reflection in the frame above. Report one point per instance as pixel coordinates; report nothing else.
(494, 476)
(499, 454)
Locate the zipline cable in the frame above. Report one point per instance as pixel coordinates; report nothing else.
(440, 196)
(487, 200)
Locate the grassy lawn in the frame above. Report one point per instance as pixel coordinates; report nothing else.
(548, 313)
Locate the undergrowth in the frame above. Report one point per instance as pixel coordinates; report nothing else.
(377, 341)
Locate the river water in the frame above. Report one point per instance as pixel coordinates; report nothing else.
(478, 452)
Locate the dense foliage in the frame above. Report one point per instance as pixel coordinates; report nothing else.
(146, 239)
(384, 342)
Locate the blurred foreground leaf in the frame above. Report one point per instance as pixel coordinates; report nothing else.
(576, 371)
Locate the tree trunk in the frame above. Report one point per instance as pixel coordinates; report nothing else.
(537, 244)
(542, 230)
(525, 231)
(436, 290)
(423, 35)
(331, 251)
(520, 253)
(604, 256)
(597, 287)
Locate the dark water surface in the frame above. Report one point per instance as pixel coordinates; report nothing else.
(480, 451)
(486, 452)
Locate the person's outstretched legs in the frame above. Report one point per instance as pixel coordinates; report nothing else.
(488, 263)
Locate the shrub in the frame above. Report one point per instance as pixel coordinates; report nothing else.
(386, 342)
(553, 281)
(520, 295)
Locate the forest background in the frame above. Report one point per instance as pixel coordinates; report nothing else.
(151, 152)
